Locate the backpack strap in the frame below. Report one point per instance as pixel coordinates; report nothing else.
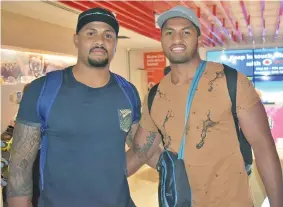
(232, 79)
(246, 150)
(151, 95)
(132, 97)
(49, 91)
(150, 98)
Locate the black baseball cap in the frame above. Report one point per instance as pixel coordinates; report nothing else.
(97, 15)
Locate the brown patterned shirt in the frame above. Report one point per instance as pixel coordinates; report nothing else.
(213, 159)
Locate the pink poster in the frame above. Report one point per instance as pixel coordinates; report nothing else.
(275, 119)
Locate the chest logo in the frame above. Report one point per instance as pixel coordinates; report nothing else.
(125, 119)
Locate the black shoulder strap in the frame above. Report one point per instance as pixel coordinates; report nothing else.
(246, 150)
(231, 78)
(151, 95)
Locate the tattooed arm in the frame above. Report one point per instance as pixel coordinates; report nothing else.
(131, 134)
(144, 149)
(153, 159)
(26, 140)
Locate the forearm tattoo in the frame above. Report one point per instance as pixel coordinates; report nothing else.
(143, 150)
(130, 138)
(26, 140)
(131, 135)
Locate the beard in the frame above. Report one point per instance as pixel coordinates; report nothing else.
(174, 59)
(98, 63)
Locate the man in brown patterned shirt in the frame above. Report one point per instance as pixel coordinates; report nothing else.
(213, 159)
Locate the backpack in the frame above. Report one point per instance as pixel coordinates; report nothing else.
(49, 91)
(231, 77)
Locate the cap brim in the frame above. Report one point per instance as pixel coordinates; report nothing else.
(168, 15)
(98, 18)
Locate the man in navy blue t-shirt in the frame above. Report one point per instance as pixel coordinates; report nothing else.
(87, 128)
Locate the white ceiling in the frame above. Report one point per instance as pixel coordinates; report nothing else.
(56, 13)
(254, 9)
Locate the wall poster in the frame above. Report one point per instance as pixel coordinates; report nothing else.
(23, 67)
(154, 64)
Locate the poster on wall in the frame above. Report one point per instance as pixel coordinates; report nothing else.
(23, 67)
(154, 64)
(275, 119)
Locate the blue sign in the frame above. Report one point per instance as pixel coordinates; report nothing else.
(241, 60)
(268, 61)
(269, 88)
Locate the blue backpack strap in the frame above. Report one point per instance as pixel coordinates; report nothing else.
(49, 91)
(132, 97)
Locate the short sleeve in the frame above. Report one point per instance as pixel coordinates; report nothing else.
(246, 94)
(147, 122)
(28, 107)
(137, 114)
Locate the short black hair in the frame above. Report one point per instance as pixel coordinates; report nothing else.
(198, 30)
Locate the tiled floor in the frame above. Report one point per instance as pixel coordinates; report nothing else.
(144, 187)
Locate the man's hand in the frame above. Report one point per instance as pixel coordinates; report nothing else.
(254, 125)
(144, 148)
(26, 140)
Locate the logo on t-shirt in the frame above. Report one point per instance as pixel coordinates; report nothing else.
(125, 119)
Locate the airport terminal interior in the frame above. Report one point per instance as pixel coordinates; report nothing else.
(37, 37)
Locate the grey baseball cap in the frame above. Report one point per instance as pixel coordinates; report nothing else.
(179, 11)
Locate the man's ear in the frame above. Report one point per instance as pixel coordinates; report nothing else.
(76, 40)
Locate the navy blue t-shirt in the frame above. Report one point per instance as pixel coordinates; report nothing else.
(87, 128)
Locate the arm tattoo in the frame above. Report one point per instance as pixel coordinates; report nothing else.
(131, 135)
(26, 140)
(142, 150)
(130, 138)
